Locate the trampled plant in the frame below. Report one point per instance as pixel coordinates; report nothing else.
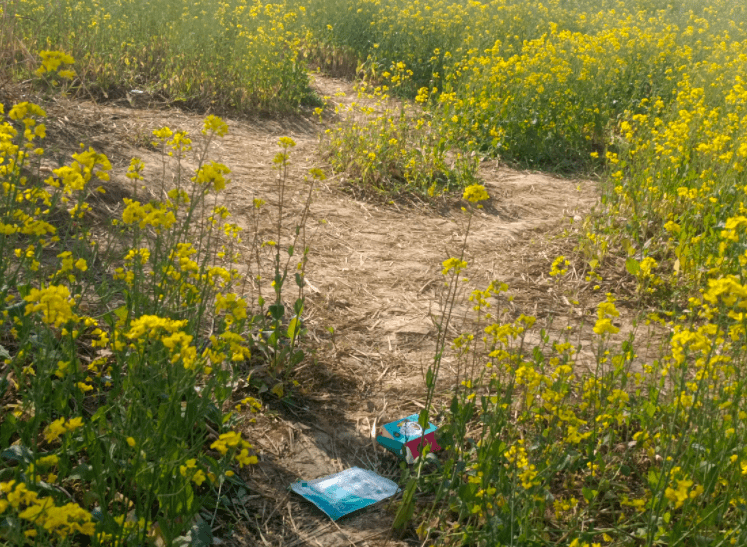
(120, 353)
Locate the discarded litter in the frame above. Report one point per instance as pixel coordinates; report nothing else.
(345, 492)
(406, 438)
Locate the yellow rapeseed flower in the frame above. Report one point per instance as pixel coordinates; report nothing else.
(54, 430)
(51, 62)
(475, 193)
(213, 124)
(54, 302)
(453, 264)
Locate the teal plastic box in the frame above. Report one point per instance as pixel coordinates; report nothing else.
(406, 438)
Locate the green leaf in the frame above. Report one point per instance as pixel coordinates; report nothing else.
(650, 408)
(432, 458)
(653, 478)
(423, 419)
(84, 472)
(588, 494)
(16, 310)
(17, 453)
(100, 413)
(202, 535)
(4, 353)
(467, 491)
(297, 357)
(293, 328)
(121, 313)
(277, 311)
(7, 429)
(90, 498)
(633, 266)
(290, 250)
(454, 408)
(404, 514)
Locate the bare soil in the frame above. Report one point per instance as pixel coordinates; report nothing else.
(374, 277)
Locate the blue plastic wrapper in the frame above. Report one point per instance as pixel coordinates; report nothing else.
(342, 493)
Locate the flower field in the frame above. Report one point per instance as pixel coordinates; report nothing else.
(238, 56)
(626, 451)
(126, 345)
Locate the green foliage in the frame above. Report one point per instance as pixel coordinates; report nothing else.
(539, 83)
(395, 148)
(238, 55)
(543, 446)
(677, 184)
(280, 326)
(121, 344)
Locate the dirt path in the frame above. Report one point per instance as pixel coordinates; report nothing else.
(374, 272)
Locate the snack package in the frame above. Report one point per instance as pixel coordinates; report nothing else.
(406, 437)
(342, 493)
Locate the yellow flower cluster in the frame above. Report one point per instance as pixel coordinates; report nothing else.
(251, 63)
(233, 305)
(214, 125)
(559, 266)
(41, 512)
(192, 472)
(606, 310)
(78, 174)
(397, 149)
(516, 456)
(51, 62)
(475, 193)
(685, 490)
(233, 442)
(164, 288)
(54, 302)
(211, 176)
(159, 215)
(60, 426)
(453, 264)
(152, 326)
